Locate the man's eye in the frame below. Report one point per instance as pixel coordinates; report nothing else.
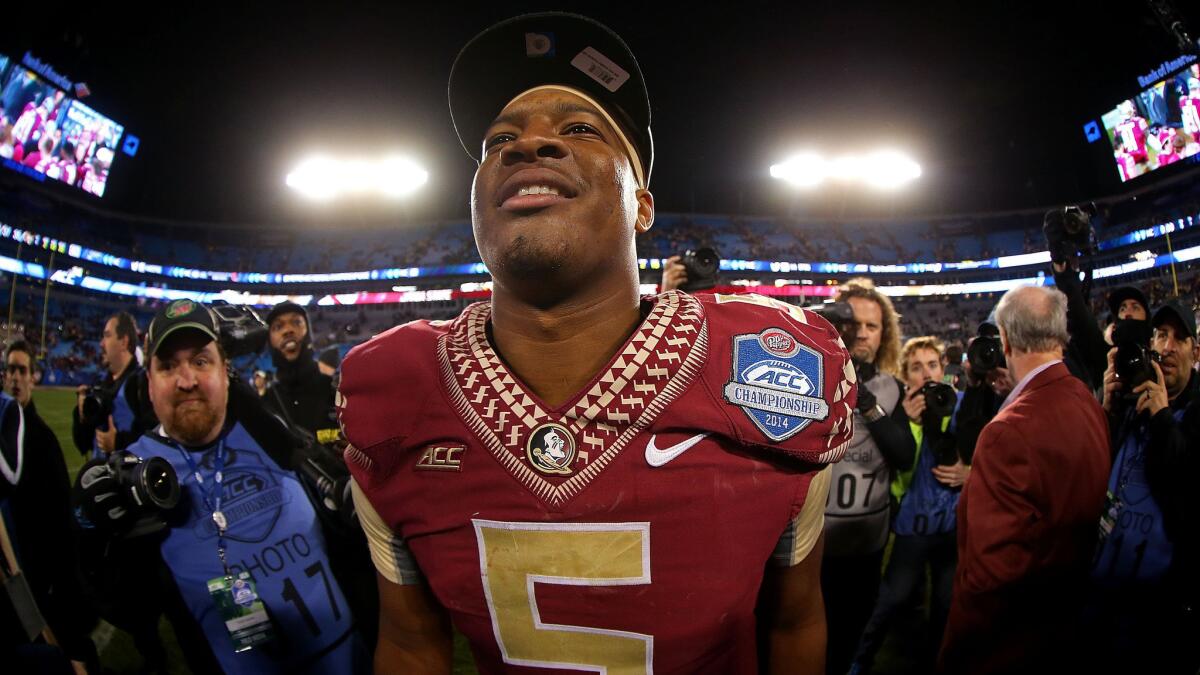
(581, 128)
(497, 140)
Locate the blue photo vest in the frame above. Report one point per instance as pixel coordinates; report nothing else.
(122, 416)
(928, 506)
(1137, 549)
(273, 533)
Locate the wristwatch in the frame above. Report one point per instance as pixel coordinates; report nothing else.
(874, 414)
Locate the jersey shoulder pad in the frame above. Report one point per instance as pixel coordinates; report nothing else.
(385, 384)
(782, 375)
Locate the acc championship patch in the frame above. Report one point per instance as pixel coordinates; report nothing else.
(777, 382)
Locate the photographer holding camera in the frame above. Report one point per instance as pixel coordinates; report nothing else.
(1026, 517)
(1072, 241)
(211, 495)
(1144, 570)
(691, 271)
(928, 495)
(112, 414)
(859, 505)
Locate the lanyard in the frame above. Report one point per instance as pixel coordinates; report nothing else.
(212, 495)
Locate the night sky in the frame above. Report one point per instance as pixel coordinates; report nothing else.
(991, 100)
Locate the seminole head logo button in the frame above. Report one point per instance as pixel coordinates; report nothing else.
(551, 449)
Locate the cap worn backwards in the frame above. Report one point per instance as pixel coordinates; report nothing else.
(566, 51)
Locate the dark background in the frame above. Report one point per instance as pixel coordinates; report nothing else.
(990, 97)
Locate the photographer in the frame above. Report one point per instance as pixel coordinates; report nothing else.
(111, 415)
(928, 495)
(1126, 303)
(858, 508)
(235, 537)
(1070, 238)
(1146, 590)
(301, 394)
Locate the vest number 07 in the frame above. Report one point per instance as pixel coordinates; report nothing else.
(515, 557)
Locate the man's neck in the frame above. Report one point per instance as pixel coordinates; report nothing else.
(1023, 363)
(557, 350)
(117, 367)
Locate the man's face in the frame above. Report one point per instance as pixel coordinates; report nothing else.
(112, 346)
(555, 193)
(287, 334)
(189, 388)
(923, 365)
(868, 319)
(1178, 350)
(18, 377)
(1131, 309)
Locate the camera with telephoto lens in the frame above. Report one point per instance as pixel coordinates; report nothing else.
(126, 495)
(1134, 361)
(97, 405)
(150, 483)
(939, 399)
(241, 330)
(702, 266)
(985, 353)
(1069, 232)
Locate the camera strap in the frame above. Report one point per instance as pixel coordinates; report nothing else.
(212, 493)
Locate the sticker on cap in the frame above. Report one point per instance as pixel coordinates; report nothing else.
(600, 68)
(179, 308)
(539, 44)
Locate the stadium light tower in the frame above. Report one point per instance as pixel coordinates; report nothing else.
(883, 169)
(323, 178)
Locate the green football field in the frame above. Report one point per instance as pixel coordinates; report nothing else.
(117, 653)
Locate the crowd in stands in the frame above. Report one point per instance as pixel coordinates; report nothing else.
(451, 242)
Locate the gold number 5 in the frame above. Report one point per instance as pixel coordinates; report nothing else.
(515, 557)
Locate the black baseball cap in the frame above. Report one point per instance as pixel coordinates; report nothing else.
(549, 48)
(179, 315)
(1174, 307)
(286, 307)
(1124, 293)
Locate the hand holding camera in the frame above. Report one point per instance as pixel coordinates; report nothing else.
(124, 494)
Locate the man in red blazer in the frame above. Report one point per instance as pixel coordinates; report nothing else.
(1027, 517)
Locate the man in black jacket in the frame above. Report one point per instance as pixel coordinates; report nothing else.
(40, 508)
(301, 394)
(130, 415)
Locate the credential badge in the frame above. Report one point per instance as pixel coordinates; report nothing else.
(551, 450)
(777, 382)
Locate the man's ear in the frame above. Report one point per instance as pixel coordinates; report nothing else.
(645, 211)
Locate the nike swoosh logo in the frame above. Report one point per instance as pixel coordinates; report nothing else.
(659, 456)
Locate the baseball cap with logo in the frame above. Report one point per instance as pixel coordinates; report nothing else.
(551, 49)
(179, 315)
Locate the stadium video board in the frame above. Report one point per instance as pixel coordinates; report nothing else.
(1158, 127)
(48, 135)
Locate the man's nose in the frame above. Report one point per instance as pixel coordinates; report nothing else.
(185, 378)
(535, 142)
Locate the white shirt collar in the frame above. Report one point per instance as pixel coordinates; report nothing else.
(1012, 396)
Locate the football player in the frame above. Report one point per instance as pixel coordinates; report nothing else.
(1189, 107)
(576, 477)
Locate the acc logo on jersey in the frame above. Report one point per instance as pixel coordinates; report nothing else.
(551, 449)
(777, 382)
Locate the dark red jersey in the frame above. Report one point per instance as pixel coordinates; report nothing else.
(626, 530)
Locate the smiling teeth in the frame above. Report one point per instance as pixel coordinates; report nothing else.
(537, 190)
